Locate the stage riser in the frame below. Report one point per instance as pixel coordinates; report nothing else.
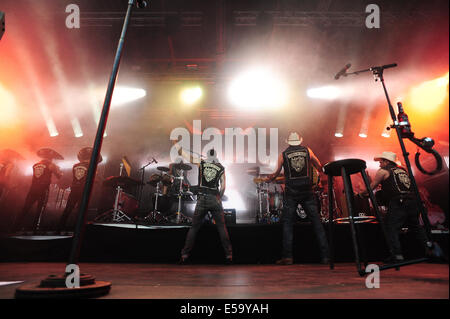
(251, 244)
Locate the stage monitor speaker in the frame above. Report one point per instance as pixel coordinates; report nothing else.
(2, 24)
(230, 216)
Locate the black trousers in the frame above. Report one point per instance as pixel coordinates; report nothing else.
(39, 195)
(403, 213)
(309, 204)
(212, 204)
(73, 200)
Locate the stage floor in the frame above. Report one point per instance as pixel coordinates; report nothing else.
(298, 281)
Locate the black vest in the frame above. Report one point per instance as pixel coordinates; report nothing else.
(79, 172)
(297, 168)
(209, 176)
(42, 175)
(398, 184)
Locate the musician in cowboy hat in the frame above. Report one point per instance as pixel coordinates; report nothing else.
(402, 207)
(79, 172)
(42, 175)
(297, 161)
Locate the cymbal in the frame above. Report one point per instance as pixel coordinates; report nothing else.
(163, 168)
(49, 153)
(182, 166)
(85, 154)
(261, 178)
(122, 181)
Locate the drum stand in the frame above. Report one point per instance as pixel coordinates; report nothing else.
(117, 215)
(263, 190)
(180, 218)
(152, 216)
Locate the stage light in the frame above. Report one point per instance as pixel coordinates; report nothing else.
(124, 95)
(191, 95)
(51, 127)
(429, 95)
(337, 134)
(76, 127)
(386, 134)
(363, 135)
(324, 93)
(8, 108)
(258, 89)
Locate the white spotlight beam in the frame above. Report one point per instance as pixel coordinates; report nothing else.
(324, 93)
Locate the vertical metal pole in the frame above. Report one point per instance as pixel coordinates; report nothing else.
(349, 198)
(420, 204)
(330, 220)
(377, 211)
(79, 228)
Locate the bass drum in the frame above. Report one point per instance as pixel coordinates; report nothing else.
(275, 201)
(128, 204)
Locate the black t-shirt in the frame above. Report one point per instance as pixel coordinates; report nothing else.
(209, 175)
(297, 168)
(397, 184)
(79, 172)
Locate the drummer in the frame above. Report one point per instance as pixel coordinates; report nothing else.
(79, 172)
(211, 185)
(42, 175)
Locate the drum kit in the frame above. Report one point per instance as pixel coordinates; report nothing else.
(180, 190)
(270, 197)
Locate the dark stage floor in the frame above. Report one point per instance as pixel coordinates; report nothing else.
(299, 281)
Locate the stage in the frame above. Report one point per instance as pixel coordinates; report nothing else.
(206, 281)
(252, 244)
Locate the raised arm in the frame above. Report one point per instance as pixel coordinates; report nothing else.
(187, 156)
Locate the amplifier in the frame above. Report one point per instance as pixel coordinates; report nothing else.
(230, 216)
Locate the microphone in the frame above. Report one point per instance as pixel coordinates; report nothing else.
(155, 161)
(342, 72)
(141, 4)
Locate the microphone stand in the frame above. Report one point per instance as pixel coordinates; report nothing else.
(378, 75)
(88, 285)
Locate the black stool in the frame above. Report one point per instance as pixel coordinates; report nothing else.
(345, 168)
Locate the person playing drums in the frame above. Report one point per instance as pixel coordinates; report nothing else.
(297, 162)
(211, 188)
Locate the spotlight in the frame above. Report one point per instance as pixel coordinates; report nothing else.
(189, 96)
(385, 134)
(338, 134)
(429, 95)
(124, 95)
(324, 93)
(363, 135)
(258, 89)
(8, 108)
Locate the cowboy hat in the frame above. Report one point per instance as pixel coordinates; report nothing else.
(390, 156)
(294, 139)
